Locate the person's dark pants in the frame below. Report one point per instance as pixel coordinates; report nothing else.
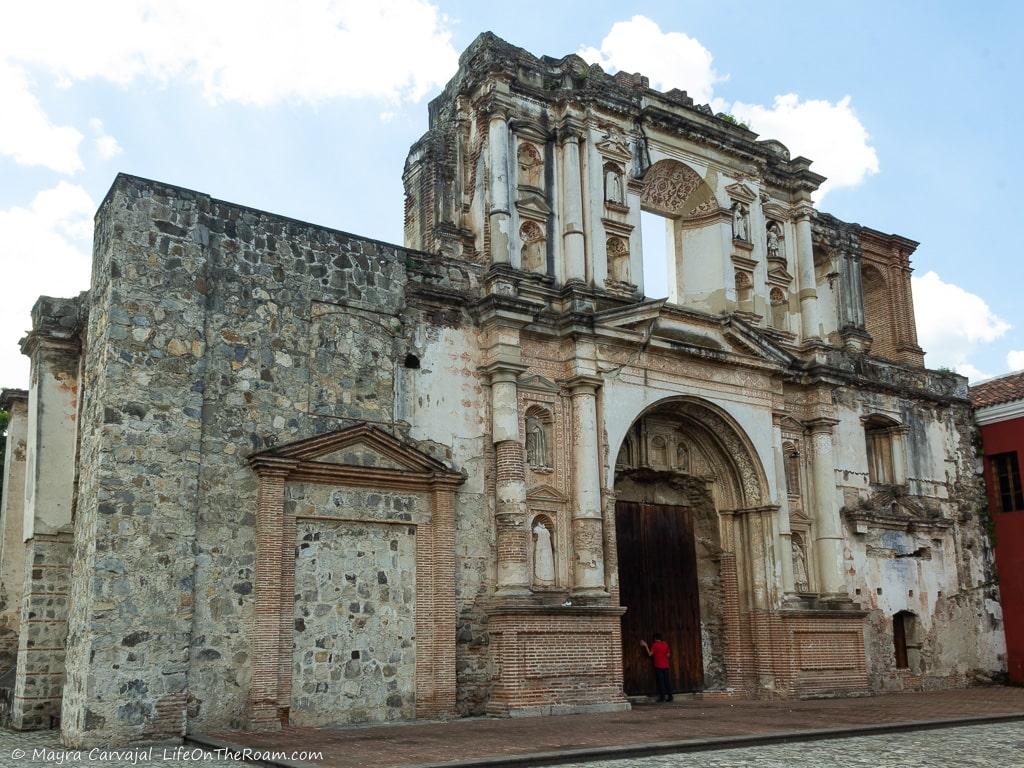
(663, 679)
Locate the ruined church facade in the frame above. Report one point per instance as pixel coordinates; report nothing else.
(278, 474)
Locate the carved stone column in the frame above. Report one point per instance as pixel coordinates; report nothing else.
(499, 219)
(510, 481)
(785, 535)
(810, 316)
(572, 207)
(587, 524)
(828, 532)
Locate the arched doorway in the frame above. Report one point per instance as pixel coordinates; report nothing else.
(682, 472)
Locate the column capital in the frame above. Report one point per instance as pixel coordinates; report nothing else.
(802, 211)
(503, 371)
(820, 425)
(583, 384)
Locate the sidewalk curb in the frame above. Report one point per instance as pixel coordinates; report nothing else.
(589, 754)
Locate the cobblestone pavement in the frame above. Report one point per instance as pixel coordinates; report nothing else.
(421, 743)
(39, 748)
(998, 744)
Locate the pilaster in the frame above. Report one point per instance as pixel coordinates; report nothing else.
(587, 524)
(828, 535)
(810, 317)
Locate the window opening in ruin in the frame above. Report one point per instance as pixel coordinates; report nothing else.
(878, 436)
(411, 361)
(656, 234)
(899, 639)
(1006, 474)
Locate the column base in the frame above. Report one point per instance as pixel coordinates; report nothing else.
(556, 659)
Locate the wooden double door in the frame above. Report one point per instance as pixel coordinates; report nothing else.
(658, 587)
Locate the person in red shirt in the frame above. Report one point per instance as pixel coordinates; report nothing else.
(660, 653)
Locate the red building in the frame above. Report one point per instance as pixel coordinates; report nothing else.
(999, 411)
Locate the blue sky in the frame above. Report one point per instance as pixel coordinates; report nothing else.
(307, 109)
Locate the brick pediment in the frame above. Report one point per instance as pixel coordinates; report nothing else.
(359, 449)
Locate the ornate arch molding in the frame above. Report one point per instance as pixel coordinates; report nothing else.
(358, 456)
(674, 189)
(730, 439)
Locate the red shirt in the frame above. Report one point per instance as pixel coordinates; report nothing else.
(660, 654)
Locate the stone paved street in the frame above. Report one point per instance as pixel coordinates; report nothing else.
(998, 744)
(435, 743)
(43, 748)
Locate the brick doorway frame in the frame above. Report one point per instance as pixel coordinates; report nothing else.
(273, 625)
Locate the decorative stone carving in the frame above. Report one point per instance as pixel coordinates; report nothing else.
(543, 554)
(618, 260)
(531, 166)
(538, 438)
(659, 452)
(740, 222)
(534, 250)
(673, 188)
(799, 554)
(613, 189)
(775, 242)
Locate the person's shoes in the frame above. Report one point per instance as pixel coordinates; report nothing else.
(669, 699)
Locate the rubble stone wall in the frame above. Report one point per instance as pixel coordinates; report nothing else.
(217, 331)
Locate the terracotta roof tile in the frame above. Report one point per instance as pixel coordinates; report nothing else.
(1005, 389)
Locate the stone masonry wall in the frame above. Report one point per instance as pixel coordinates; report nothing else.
(12, 504)
(216, 331)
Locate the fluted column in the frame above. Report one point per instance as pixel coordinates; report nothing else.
(828, 532)
(498, 175)
(572, 208)
(785, 537)
(587, 525)
(513, 537)
(810, 316)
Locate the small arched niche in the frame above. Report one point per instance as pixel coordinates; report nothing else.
(539, 423)
(533, 253)
(544, 570)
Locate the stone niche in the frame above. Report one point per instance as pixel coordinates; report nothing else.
(355, 582)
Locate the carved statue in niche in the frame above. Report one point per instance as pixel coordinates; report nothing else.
(774, 234)
(800, 582)
(531, 166)
(538, 441)
(618, 260)
(682, 458)
(792, 469)
(534, 252)
(543, 555)
(613, 192)
(740, 223)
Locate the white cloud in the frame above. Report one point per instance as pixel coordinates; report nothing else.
(106, 145)
(669, 59)
(45, 251)
(253, 52)
(256, 52)
(1015, 359)
(828, 133)
(26, 133)
(952, 322)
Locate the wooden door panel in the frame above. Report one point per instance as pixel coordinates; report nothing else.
(658, 586)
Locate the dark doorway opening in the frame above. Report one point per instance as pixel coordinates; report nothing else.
(658, 586)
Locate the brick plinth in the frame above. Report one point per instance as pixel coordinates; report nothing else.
(39, 679)
(556, 660)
